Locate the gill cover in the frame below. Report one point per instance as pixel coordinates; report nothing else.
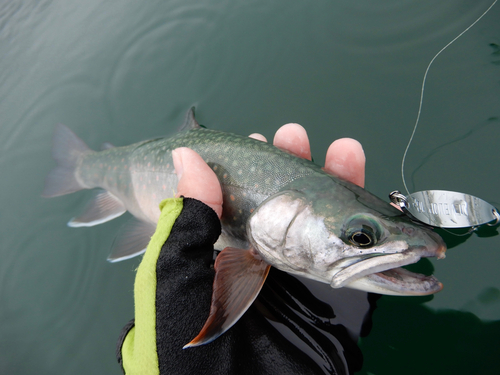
(288, 235)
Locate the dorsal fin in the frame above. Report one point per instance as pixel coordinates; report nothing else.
(190, 122)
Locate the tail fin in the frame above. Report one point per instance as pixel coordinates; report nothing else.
(66, 150)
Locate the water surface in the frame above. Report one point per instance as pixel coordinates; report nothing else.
(127, 71)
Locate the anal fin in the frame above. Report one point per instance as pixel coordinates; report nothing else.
(132, 240)
(103, 207)
(239, 277)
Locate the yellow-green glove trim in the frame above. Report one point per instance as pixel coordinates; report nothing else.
(139, 347)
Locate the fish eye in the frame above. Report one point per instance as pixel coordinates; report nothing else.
(360, 239)
(362, 231)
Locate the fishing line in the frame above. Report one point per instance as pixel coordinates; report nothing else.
(442, 208)
(423, 88)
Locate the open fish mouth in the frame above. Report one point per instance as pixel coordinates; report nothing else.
(383, 274)
(403, 282)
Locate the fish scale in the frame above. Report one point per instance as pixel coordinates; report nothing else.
(231, 157)
(237, 154)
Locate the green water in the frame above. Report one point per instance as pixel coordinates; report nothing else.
(123, 71)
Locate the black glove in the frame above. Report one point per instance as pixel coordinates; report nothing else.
(286, 331)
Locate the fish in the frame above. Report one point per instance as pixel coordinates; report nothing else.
(278, 210)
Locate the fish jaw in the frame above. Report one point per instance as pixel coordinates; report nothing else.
(397, 282)
(383, 273)
(292, 234)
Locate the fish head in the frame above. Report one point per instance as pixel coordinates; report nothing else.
(340, 234)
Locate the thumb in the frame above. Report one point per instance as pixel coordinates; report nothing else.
(196, 179)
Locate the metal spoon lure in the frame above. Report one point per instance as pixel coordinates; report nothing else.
(446, 209)
(441, 208)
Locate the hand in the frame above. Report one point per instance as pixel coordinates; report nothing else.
(345, 158)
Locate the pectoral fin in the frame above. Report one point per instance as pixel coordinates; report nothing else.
(103, 207)
(239, 277)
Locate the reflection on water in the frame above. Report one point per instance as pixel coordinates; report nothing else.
(127, 71)
(315, 323)
(322, 323)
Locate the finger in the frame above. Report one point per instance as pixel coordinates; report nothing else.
(345, 158)
(258, 137)
(196, 179)
(293, 138)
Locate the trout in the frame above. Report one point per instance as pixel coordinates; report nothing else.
(278, 210)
